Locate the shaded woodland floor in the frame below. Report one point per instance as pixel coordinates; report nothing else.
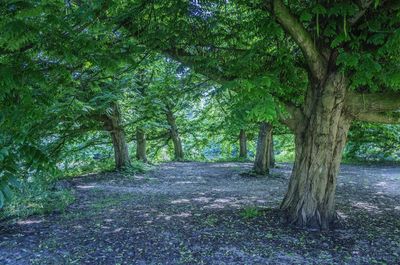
(208, 213)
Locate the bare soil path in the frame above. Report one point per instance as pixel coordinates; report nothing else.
(208, 213)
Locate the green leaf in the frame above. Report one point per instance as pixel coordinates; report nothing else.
(2, 199)
(8, 194)
(306, 17)
(13, 181)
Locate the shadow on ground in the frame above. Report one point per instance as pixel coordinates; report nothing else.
(198, 213)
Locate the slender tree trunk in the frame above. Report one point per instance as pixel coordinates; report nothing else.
(271, 151)
(263, 154)
(178, 150)
(320, 138)
(242, 144)
(113, 124)
(140, 145)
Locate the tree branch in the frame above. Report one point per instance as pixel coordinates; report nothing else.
(377, 118)
(316, 62)
(295, 113)
(187, 59)
(372, 102)
(365, 4)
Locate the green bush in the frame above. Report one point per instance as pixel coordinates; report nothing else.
(250, 212)
(36, 197)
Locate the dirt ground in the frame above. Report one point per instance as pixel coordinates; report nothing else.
(208, 213)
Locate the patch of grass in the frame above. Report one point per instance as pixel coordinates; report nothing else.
(36, 198)
(112, 201)
(186, 255)
(106, 165)
(285, 156)
(211, 220)
(250, 212)
(138, 167)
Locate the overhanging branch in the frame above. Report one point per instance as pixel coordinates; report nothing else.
(364, 5)
(296, 116)
(188, 59)
(372, 102)
(378, 118)
(316, 62)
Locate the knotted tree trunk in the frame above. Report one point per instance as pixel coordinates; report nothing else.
(263, 154)
(242, 144)
(178, 150)
(320, 136)
(140, 145)
(113, 124)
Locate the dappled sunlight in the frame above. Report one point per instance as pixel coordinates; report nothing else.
(382, 184)
(202, 199)
(86, 187)
(117, 230)
(180, 201)
(144, 177)
(342, 214)
(208, 202)
(187, 182)
(215, 206)
(184, 214)
(29, 222)
(168, 217)
(367, 206)
(203, 209)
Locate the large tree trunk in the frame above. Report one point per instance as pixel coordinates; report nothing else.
(242, 144)
(178, 150)
(263, 155)
(140, 145)
(320, 137)
(113, 124)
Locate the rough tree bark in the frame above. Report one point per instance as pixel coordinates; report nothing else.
(320, 137)
(140, 145)
(242, 144)
(178, 150)
(271, 151)
(263, 155)
(113, 124)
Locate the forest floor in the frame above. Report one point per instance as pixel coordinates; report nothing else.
(208, 213)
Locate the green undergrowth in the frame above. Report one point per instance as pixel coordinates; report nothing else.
(137, 167)
(41, 195)
(251, 212)
(106, 165)
(34, 198)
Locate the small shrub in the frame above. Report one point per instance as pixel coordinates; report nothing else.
(250, 212)
(138, 167)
